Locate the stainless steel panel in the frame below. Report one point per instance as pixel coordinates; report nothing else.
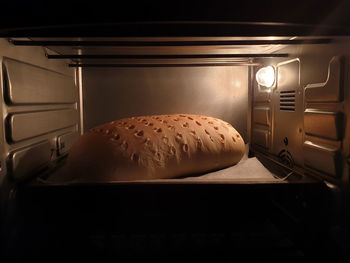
(288, 110)
(324, 124)
(28, 160)
(28, 125)
(261, 138)
(324, 158)
(28, 84)
(260, 96)
(261, 115)
(332, 89)
(65, 142)
(288, 75)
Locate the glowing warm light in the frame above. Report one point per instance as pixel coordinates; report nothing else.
(266, 76)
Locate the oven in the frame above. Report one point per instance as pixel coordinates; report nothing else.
(283, 87)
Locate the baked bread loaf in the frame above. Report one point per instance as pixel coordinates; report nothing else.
(154, 147)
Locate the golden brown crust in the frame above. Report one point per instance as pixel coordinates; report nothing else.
(155, 147)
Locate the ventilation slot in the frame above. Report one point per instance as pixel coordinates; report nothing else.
(287, 100)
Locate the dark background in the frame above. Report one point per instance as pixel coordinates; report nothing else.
(19, 14)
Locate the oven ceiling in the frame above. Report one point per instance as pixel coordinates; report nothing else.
(109, 51)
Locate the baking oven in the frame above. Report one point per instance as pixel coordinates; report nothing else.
(286, 92)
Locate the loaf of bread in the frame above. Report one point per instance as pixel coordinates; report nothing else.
(154, 147)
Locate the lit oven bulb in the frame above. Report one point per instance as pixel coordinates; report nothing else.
(266, 76)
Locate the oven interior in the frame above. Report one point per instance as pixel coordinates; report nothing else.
(287, 197)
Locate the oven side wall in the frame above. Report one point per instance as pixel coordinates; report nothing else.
(39, 109)
(317, 129)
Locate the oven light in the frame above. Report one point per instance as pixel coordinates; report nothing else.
(266, 76)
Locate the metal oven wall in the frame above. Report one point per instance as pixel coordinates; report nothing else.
(39, 109)
(313, 133)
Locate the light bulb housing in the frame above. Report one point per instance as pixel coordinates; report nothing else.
(266, 76)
